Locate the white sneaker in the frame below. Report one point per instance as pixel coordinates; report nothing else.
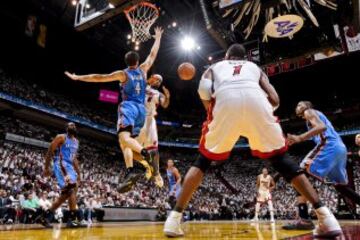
(255, 219)
(272, 220)
(159, 181)
(328, 226)
(172, 226)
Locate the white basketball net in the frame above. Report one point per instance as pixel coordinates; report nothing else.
(141, 17)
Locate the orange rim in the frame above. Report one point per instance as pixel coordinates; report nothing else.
(141, 4)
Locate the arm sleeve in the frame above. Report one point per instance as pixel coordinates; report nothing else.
(204, 89)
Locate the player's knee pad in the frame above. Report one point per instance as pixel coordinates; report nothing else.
(202, 163)
(286, 166)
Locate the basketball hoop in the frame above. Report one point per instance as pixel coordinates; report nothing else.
(141, 17)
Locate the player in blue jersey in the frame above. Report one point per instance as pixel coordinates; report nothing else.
(131, 111)
(174, 179)
(326, 162)
(63, 150)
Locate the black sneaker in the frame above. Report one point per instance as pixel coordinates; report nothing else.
(150, 156)
(153, 159)
(301, 224)
(130, 180)
(72, 224)
(43, 221)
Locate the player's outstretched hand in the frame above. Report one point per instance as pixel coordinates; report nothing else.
(72, 76)
(158, 32)
(166, 92)
(293, 139)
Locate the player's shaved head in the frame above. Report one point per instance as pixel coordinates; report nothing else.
(302, 106)
(236, 52)
(132, 59)
(308, 104)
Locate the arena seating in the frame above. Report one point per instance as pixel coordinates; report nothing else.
(21, 173)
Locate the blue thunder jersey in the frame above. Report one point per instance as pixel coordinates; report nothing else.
(134, 89)
(64, 162)
(171, 178)
(67, 151)
(330, 135)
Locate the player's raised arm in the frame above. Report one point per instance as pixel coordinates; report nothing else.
(205, 88)
(165, 97)
(145, 66)
(57, 142)
(96, 78)
(270, 90)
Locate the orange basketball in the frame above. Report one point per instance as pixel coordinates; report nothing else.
(186, 71)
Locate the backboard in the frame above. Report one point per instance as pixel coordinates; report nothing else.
(92, 12)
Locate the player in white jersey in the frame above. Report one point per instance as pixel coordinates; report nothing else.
(148, 137)
(240, 101)
(264, 185)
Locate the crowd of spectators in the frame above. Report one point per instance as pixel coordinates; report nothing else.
(24, 188)
(19, 87)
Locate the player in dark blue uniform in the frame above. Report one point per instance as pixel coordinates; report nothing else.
(326, 162)
(131, 112)
(63, 150)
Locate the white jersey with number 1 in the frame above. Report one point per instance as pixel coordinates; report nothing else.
(148, 136)
(238, 107)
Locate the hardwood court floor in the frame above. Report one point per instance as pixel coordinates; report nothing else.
(145, 230)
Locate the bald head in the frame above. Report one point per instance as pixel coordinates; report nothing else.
(236, 52)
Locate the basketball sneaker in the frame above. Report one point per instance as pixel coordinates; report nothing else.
(149, 172)
(172, 226)
(150, 156)
(300, 224)
(72, 224)
(43, 219)
(131, 178)
(159, 181)
(328, 226)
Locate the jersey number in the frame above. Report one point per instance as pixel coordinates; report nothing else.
(137, 88)
(237, 70)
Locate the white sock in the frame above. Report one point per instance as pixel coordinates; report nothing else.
(257, 209)
(271, 209)
(322, 212)
(175, 214)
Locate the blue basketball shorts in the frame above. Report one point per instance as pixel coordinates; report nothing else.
(327, 162)
(131, 114)
(65, 173)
